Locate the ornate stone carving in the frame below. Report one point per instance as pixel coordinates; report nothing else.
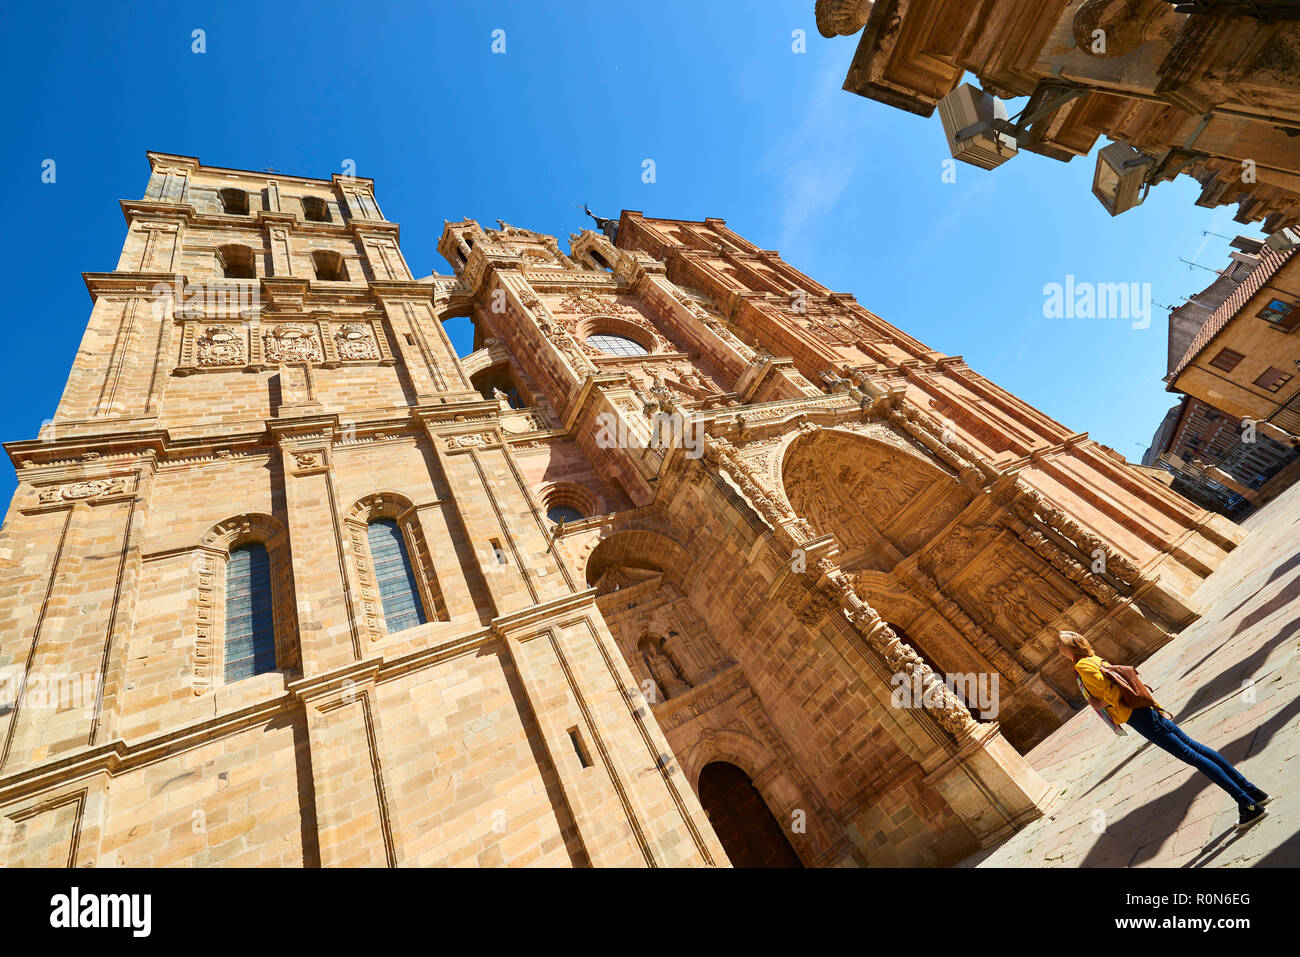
(591, 304)
(293, 342)
(1007, 661)
(841, 17)
(355, 340)
(1033, 509)
(80, 490)
(470, 440)
(221, 346)
(948, 709)
(564, 342)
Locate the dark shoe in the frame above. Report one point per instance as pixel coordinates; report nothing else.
(1250, 814)
(1259, 797)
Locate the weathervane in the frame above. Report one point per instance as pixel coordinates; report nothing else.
(607, 226)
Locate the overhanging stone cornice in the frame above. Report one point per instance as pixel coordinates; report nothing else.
(508, 625)
(28, 454)
(132, 283)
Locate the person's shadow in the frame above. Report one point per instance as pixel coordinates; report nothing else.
(1141, 829)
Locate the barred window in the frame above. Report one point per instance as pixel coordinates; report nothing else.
(250, 628)
(616, 345)
(393, 576)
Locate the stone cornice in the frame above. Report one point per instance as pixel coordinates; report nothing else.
(31, 455)
(172, 212)
(194, 164)
(120, 756)
(412, 289)
(507, 625)
(131, 283)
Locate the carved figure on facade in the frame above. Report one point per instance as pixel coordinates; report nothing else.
(662, 668)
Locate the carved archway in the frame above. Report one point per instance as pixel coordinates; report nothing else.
(649, 549)
(746, 826)
(881, 499)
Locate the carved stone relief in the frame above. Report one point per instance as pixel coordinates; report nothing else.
(293, 342)
(355, 340)
(222, 346)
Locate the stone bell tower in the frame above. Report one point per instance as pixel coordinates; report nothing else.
(274, 589)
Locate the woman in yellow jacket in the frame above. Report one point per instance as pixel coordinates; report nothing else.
(1104, 695)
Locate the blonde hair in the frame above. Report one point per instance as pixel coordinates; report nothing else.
(1076, 644)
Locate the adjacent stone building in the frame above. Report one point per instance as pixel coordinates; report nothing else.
(1234, 352)
(1209, 89)
(692, 561)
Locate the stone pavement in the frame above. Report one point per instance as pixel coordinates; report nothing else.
(1232, 681)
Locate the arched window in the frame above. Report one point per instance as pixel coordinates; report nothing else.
(616, 345)
(233, 201)
(330, 266)
(499, 378)
(236, 262)
(315, 209)
(393, 576)
(250, 626)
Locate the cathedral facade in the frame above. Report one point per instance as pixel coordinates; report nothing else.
(691, 561)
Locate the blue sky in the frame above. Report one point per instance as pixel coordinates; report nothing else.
(739, 127)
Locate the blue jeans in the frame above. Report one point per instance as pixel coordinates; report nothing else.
(1164, 734)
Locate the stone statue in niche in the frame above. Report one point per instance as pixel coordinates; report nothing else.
(665, 672)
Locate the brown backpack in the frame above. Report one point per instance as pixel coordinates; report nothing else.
(1132, 692)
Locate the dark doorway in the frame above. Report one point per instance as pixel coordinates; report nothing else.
(749, 833)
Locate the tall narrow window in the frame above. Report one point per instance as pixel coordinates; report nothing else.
(250, 629)
(394, 577)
